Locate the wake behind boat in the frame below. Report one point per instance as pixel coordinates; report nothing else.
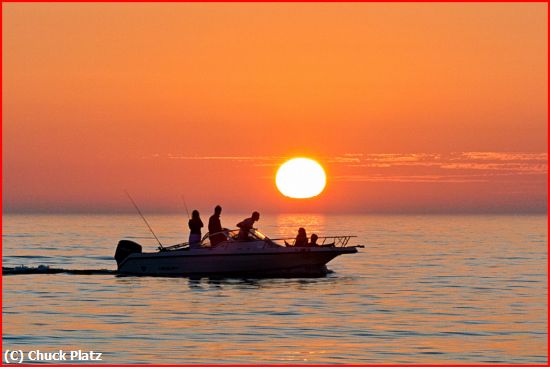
(256, 255)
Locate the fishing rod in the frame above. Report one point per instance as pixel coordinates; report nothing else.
(185, 204)
(142, 217)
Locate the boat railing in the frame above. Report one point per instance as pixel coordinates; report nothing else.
(337, 241)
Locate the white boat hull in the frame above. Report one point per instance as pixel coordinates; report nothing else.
(244, 258)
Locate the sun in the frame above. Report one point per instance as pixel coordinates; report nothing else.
(300, 178)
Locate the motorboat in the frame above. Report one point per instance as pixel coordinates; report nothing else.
(232, 253)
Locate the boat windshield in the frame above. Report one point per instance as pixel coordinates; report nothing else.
(233, 235)
(254, 233)
(259, 235)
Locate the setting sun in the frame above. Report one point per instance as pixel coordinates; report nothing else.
(301, 178)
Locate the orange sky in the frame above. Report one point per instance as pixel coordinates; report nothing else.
(410, 107)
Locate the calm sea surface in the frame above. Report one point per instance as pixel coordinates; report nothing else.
(425, 289)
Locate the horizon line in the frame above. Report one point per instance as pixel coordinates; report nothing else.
(374, 212)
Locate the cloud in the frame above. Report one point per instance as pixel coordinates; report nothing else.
(221, 158)
(535, 163)
(410, 178)
(458, 167)
(533, 168)
(503, 156)
(345, 159)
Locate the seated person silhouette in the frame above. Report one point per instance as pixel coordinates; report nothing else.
(313, 242)
(301, 239)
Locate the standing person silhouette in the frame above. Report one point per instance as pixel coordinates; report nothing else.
(195, 225)
(215, 227)
(246, 225)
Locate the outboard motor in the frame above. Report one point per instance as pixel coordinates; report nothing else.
(125, 248)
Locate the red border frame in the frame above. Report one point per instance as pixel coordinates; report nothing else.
(266, 1)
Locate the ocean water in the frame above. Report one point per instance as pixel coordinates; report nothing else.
(425, 289)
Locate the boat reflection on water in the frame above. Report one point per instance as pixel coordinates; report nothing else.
(258, 256)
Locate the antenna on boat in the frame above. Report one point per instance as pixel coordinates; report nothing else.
(142, 217)
(185, 204)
